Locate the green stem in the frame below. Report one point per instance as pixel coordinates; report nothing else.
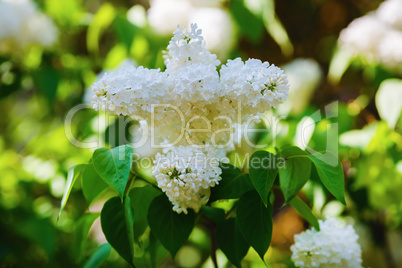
(231, 211)
(131, 177)
(139, 178)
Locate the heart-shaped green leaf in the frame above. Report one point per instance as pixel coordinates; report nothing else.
(141, 198)
(170, 228)
(263, 168)
(113, 166)
(330, 171)
(81, 231)
(117, 225)
(304, 211)
(255, 221)
(232, 185)
(295, 173)
(91, 183)
(231, 241)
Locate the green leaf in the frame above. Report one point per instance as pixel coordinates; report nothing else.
(141, 198)
(129, 217)
(214, 214)
(72, 176)
(113, 166)
(330, 171)
(100, 22)
(255, 221)
(91, 183)
(295, 173)
(153, 249)
(232, 185)
(304, 211)
(231, 241)
(263, 171)
(47, 80)
(99, 256)
(170, 228)
(250, 24)
(66, 14)
(116, 222)
(125, 30)
(81, 233)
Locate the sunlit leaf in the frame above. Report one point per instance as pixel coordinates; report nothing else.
(330, 171)
(140, 47)
(102, 19)
(304, 211)
(125, 31)
(66, 13)
(72, 176)
(113, 166)
(116, 55)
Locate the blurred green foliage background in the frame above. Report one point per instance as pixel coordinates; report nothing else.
(39, 86)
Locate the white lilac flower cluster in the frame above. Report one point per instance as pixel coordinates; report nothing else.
(191, 105)
(21, 24)
(334, 246)
(377, 36)
(190, 95)
(186, 173)
(164, 15)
